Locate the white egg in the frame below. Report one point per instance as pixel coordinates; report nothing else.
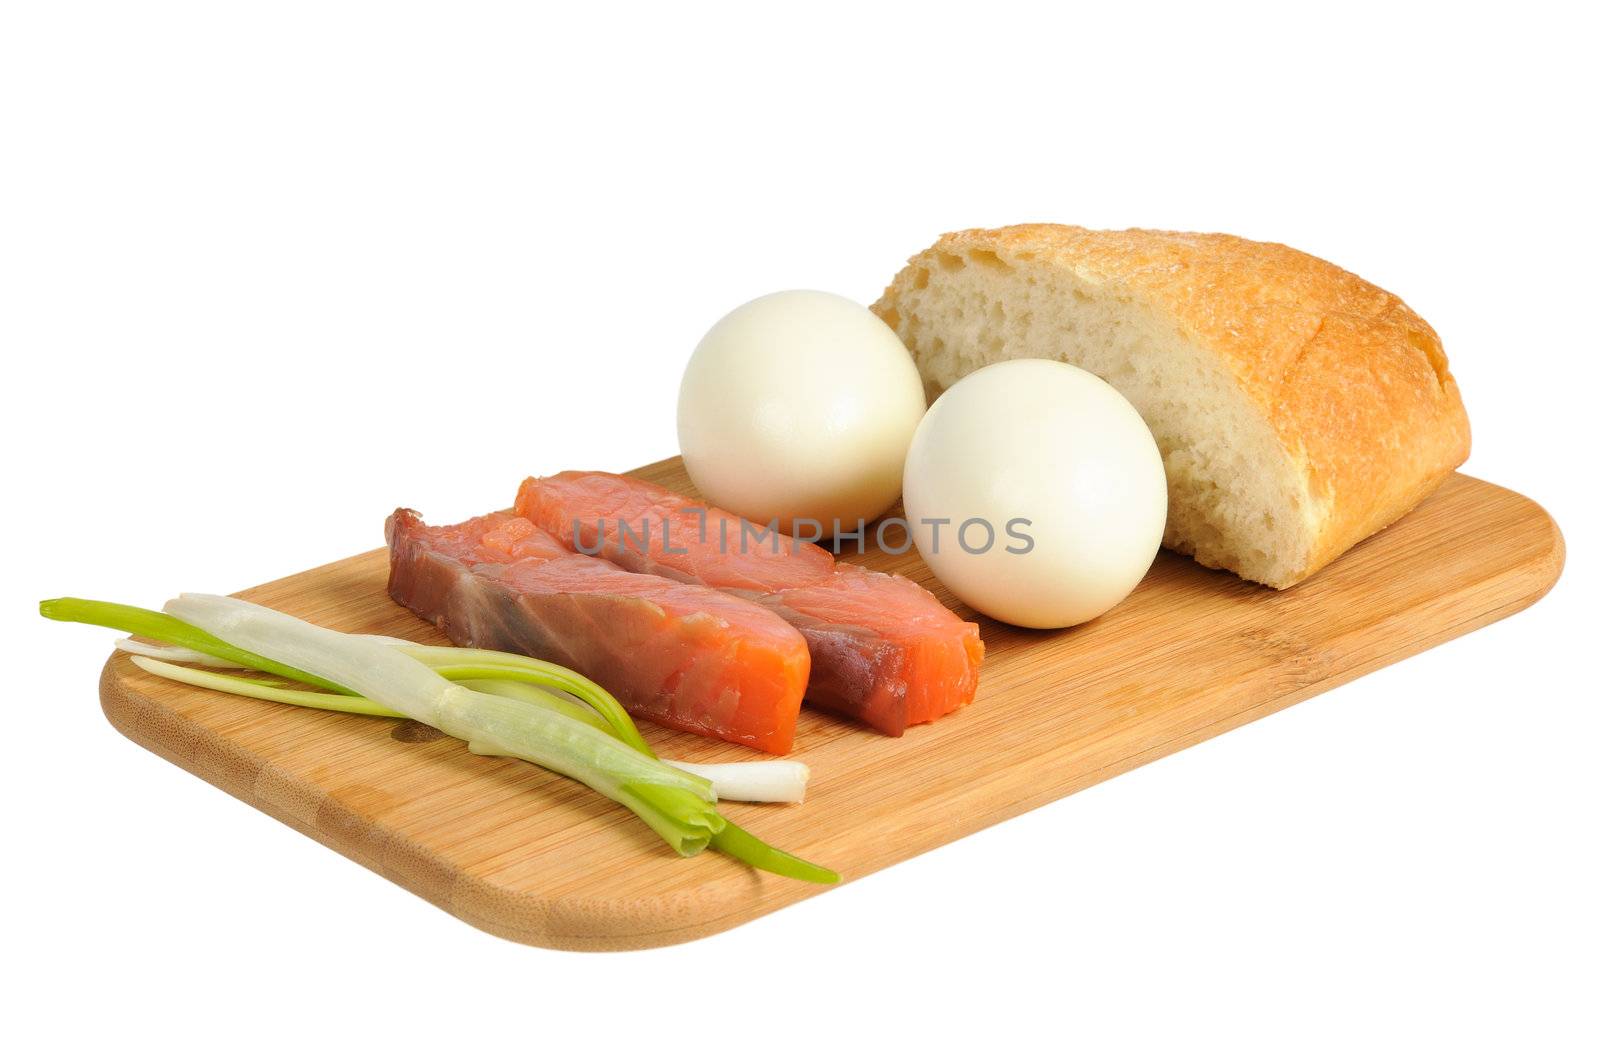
(1035, 492)
(800, 405)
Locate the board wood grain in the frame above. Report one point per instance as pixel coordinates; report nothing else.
(531, 856)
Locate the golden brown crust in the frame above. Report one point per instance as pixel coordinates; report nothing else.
(1354, 384)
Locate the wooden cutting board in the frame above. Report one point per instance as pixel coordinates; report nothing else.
(533, 857)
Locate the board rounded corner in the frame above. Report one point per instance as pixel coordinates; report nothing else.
(1554, 560)
(590, 924)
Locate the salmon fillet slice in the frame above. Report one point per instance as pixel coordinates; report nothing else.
(883, 650)
(680, 654)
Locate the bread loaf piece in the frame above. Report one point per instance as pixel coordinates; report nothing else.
(1298, 408)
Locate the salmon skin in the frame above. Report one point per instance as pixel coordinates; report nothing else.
(883, 650)
(686, 656)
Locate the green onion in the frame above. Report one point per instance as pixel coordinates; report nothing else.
(742, 845)
(255, 688)
(175, 654)
(456, 662)
(521, 691)
(497, 702)
(149, 624)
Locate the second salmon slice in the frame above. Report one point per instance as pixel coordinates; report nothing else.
(883, 649)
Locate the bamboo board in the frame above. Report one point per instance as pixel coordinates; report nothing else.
(533, 857)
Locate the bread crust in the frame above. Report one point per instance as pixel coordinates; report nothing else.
(1353, 383)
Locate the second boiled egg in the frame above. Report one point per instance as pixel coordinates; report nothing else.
(1036, 493)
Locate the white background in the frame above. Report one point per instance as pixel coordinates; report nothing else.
(271, 270)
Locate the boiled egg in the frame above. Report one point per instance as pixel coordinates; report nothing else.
(800, 406)
(1035, 493)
